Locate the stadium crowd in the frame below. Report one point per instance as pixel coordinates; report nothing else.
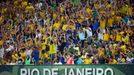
(50, 32)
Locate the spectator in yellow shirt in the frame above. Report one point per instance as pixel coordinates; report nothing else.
(88, 60)
(103, 23)
(118, 36)
(112, 60)
(52, 48)
(110, 22)
(106, 36)
(1, 41)
(43, 45)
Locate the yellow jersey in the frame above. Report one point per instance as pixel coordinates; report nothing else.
(106, 37)
(102, 24)
(110, 22)
(52, 49)
(118, 37)
(88, 61)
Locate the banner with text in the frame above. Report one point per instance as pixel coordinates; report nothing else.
(67, 70)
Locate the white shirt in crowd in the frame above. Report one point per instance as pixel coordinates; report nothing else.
(10, 48)
(58, 63)
(129, 59)
(28, 52)
(11, 63)
(100, 36)
(38, 35)
(89, 32)
(39, 5)
(1, 52)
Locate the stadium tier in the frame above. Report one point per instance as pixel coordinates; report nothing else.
(43, 32)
